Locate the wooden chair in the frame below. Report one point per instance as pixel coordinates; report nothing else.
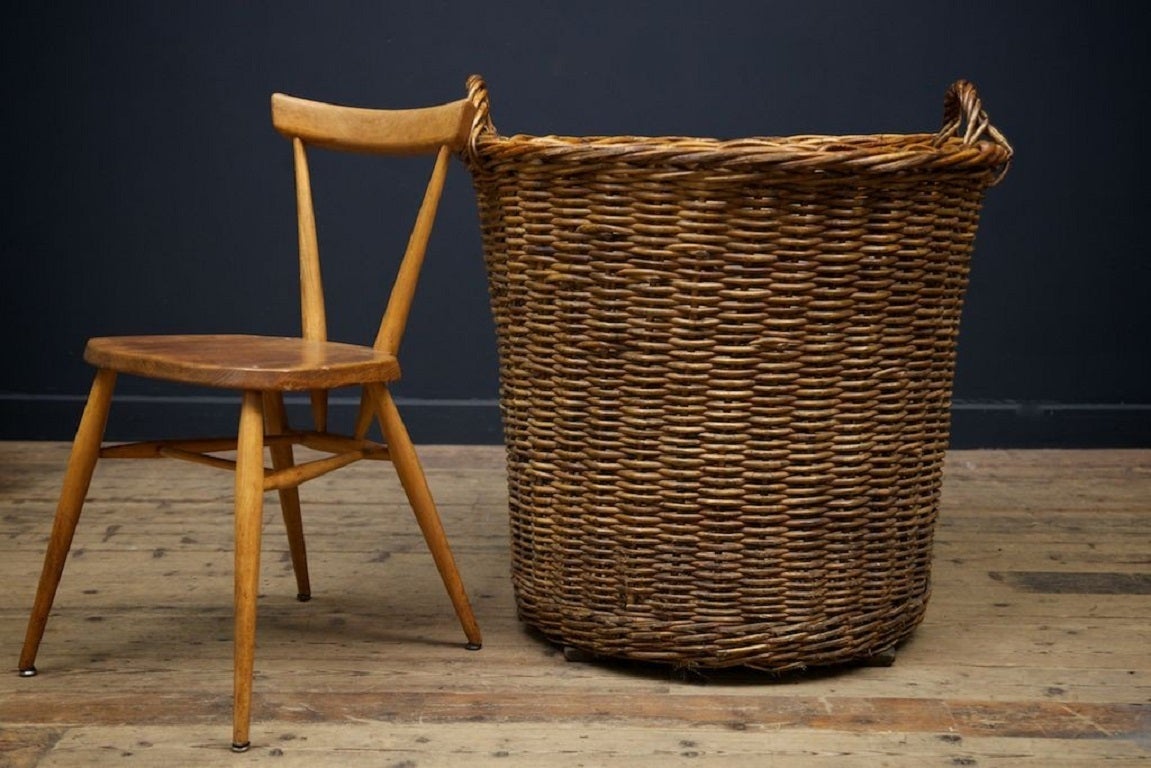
(263, 368)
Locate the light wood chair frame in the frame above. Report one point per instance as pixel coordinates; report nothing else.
(440, 131)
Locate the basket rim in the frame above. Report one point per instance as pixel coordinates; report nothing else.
(966, 143)
(862, 153)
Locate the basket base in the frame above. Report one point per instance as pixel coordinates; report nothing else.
(881, 659)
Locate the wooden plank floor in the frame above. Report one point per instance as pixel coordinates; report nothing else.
(1036, 649)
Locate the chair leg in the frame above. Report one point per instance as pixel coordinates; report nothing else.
(364, 416)
(415, 484)
(249, 519)
(81, 463)
(276, 418)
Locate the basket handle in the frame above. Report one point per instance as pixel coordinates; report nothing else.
(962, 105)
(963, 109)
(482, 120)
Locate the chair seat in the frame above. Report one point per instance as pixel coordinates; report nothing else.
(243, 361)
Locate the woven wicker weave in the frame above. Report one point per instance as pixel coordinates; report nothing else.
(726, 371)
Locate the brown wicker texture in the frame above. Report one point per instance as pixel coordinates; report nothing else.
(726, 372)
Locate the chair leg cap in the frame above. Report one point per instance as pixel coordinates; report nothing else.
(241, 747)
(303, 597)
(473, 646)
(29, 672)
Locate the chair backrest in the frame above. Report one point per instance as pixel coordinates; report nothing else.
(439, 130)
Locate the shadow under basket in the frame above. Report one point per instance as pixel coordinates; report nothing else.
(725, 380)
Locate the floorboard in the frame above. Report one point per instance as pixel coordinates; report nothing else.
(1034, 650)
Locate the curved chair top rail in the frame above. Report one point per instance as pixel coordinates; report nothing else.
(386, 131)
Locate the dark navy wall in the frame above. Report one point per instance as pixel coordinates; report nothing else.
(145, 190)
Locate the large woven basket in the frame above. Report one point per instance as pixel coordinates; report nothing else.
(726, 371)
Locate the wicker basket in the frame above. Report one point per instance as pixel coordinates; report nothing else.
(726, 371)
